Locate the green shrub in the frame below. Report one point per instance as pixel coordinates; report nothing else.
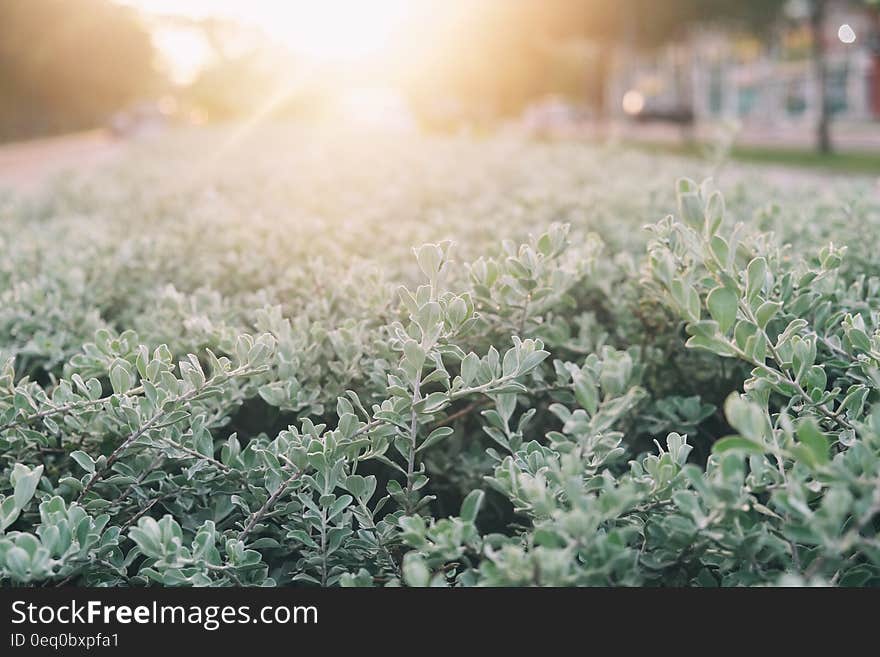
(236, 371)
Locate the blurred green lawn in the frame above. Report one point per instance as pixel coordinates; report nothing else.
(838, 162)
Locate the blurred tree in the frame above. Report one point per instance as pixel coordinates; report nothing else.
(231, 87)
(646, 24)
(69, 64)
(818, 11)
(479, 61)
(818, 14)
(490, 58)
(246, 77)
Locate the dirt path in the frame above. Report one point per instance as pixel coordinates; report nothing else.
(25, 165)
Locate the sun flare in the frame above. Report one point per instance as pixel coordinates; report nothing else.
(335, 29)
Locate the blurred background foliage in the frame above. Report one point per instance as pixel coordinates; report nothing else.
(70, 64)
(67, 65)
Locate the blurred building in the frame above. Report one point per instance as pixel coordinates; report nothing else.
(716, 75)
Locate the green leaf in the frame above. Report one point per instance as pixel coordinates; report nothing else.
(414, 359)
(706, 335)
(814, 440)
(766, 312)
(415, 571)
(470, 507)
(746, 417)
(339, 506)
(24, 481)
(148, 537)
(18, 562)
(469, 368)
(435, 437)
(85, 461)
(756, 272)
(690, 207)
(737, 443)
(432, 403)
(120, 378)
(586, 392)
(302, 537)
(429, 257)
(722, 304)
(719, 249)
(714, 212)
(9, 512)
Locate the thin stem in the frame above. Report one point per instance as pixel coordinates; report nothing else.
(413, 434)
(153, 467)
(72, 406)
(268, 504)
(198, 455)
(788, 375)
(140, 514)
(323, 548)
(747, 312)
(524, 316)
(467, 410)
(98, 475)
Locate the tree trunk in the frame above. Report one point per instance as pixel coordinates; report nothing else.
(684, 90)
(599, 93)
(817, 26)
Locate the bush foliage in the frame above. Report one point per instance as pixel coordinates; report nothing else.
(234, 369)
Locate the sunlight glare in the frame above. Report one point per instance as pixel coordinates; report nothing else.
(335, 30)
(185, 52)
(329, 31)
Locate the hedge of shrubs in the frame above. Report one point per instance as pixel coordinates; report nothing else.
(269, 360)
